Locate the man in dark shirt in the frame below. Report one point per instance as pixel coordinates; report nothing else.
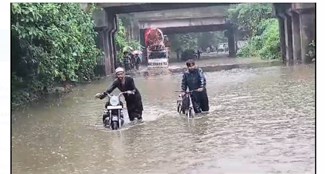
(194, 79)
(133, 101)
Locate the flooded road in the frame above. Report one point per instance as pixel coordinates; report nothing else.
(261, 121)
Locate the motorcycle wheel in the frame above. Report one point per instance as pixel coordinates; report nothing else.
(179, 108)
(190, 113)
(106, 122)
(115, 125)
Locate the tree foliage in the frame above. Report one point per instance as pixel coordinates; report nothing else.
(254, 22)
(270, 40)
(247, 17)
(51, 43)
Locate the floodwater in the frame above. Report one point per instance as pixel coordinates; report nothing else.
(261, 120)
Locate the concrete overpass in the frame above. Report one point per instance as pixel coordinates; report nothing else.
(119, 8)
(106, 22)
(196, 29)
(189, 22)
(220, 10)
(187, 25)
(296, 22)
(182, 20)
(198, 23)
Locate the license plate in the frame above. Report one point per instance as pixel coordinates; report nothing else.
(114, 107)
(115, 119)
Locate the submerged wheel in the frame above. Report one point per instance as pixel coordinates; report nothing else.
(115, 125)
(190, 113)
(179, 108)
(106, 122)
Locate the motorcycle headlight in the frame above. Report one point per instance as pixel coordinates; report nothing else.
(114, 101)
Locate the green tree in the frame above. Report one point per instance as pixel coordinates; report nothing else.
(255, 24)
(247, 16)
(51, 43)
(266, 45)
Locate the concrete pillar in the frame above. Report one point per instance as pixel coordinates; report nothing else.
(110, 44)
(106, 22)
(282, 38)
(296, 38)
(113, 46)
(144, 51)
(307, 32)
(136, 31)
(288, 38)
(141, 35)
(231, 42)
(131, 29)
(100, 67)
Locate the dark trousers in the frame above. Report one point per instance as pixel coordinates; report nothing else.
(134, 113)
(134, 106)
(200, 101)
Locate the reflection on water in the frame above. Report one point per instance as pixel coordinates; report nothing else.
(261, 121)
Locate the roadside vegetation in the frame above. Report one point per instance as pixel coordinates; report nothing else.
(53, 44)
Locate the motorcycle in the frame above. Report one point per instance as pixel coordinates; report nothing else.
(113, 116)
(185, 104)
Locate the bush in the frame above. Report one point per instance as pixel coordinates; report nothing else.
(271, 41)
(248, 16)
(267, 44)
(51, 43)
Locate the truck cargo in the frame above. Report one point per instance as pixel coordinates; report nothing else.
(157, 52)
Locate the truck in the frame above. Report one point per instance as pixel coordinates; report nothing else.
(157, 51)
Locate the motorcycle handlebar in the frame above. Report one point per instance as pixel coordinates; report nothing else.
(109, 95)
(188, 91)
(125, 92)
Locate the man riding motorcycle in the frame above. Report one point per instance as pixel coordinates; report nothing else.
(133, 101)
(194, 79)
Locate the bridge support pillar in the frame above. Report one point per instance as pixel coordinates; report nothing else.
(106, 26)
(288, 38)
(296, 38)
(307, 32)
(102, 39)
(135, 30)
(111, 59)
(231, 41)
(282, 38)
(144, 51)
